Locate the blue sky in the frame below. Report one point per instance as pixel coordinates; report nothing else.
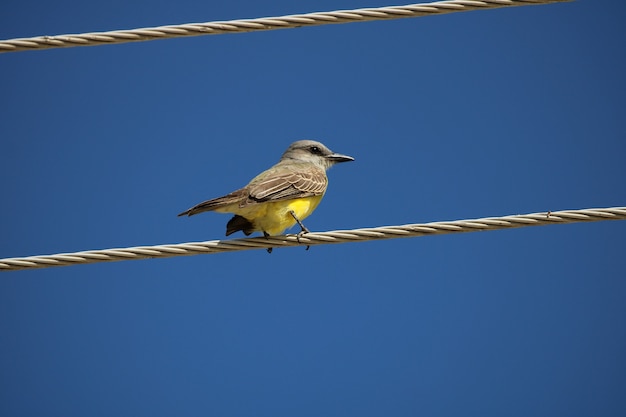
(466, 115)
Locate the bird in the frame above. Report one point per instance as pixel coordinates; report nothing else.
(278, 198)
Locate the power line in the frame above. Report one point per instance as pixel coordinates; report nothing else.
(319, 238)
(252, 25)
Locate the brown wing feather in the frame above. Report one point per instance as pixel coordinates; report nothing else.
(289, 186)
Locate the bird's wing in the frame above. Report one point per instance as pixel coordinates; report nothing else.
(276, 184)
(288, 185)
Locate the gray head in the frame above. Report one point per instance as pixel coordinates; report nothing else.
(314, 152)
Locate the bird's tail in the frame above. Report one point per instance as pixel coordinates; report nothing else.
(220, 203)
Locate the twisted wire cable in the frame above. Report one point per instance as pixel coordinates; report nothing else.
(251, 25)
(316, 238)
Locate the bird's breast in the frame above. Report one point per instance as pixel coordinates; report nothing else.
(302, 207)
(277, 218)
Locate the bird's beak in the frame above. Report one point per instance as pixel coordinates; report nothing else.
(337, 157)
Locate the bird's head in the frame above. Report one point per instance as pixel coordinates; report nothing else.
(314, 152)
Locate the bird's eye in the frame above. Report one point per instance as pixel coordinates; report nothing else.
(316, 150)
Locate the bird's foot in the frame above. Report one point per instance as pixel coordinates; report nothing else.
(302, 226)
(299, 235)
(269, 250)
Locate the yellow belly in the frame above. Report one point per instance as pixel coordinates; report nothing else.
(274, 218)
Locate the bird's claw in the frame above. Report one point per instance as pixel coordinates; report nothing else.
(302, 226)
(267, 235)
(302, 233)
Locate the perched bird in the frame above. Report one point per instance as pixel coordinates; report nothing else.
(280, 197)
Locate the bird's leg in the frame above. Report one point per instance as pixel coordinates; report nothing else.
(269, 250)
(302, 226)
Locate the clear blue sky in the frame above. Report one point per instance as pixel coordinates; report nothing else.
(467, 115)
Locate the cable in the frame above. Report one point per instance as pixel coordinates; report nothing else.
(320, 238)
(252, 25)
